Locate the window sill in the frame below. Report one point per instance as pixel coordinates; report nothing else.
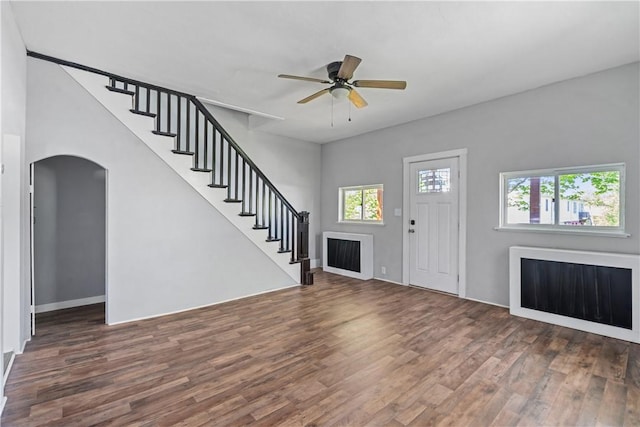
(549, 230)
(361, 222)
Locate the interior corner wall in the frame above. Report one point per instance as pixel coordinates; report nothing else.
(167, 248)
(291, 164)
(583, 121)
(15, 328)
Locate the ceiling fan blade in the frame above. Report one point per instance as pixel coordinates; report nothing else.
(356, 99)
(306, 79)
(349, 65)
(381, 84)
(314, 96)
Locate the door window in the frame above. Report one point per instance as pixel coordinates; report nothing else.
(434, 180)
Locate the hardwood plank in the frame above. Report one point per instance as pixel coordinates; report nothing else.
(492, 407)
(471, 403)
(510, 412)
(612, 361)
(590, 404)
(565, 405)
(340, 352)
(613, 404)
(409, 414)
(633, 367)
(632, 410)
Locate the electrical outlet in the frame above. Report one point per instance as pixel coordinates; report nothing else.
(383, 269)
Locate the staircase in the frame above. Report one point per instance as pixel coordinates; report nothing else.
(181, 131)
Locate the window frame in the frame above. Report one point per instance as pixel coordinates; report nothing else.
(362, 188)
(557, 227)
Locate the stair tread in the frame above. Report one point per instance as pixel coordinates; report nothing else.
(260, 227)
(284, 251)
(246, 214)
(161, 133)
(119, 90)
(233, 200)
(142, 113)
(201, 170)
(218, 186)
(272, 240)
(187, 153)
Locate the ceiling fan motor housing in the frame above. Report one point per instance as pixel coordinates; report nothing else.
(333, 69)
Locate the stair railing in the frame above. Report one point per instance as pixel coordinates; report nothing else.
(198, 134)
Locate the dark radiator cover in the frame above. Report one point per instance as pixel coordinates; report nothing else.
(589, 292)
(343, 254)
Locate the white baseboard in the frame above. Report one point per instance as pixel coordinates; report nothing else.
(24, 344)
(69, 304)
(9, 366)
(4, 400)
(389, 281)
(315, 263)
(487, 302)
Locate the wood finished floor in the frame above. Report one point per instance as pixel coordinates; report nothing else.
(342, 352)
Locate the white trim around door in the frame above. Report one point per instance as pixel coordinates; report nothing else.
(461, 154)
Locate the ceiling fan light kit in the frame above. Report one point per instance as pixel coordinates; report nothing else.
(340, 74)
(340, 92)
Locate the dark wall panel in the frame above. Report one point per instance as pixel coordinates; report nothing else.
(595, 293)
(344, 254)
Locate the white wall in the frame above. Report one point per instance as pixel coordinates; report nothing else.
(583, 121)
(12, 151)
(14, 84)
(13, 77)
(167, 248)
(69, 230)
(293, 166)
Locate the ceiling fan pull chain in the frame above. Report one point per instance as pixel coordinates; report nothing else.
(349, 111)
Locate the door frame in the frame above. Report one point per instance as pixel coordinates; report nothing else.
(31, 248)
(32, 272)
(461, 154)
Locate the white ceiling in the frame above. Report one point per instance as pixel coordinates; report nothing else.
(452, 54)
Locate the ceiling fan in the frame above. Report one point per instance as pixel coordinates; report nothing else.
(340, 72)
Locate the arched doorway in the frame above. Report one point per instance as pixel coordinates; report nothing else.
(68, 233)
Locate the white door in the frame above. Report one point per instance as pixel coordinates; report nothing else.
(433, 238)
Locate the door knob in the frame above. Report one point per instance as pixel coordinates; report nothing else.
(411, 230)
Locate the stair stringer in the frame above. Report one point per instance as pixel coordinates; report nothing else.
(141, 126)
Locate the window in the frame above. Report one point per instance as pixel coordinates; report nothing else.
(570, 199)
(361, 204)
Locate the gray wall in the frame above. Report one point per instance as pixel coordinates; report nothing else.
(583, 121)
(69, 231)
(167, 248)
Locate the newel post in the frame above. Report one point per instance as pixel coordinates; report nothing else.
(306, 276)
